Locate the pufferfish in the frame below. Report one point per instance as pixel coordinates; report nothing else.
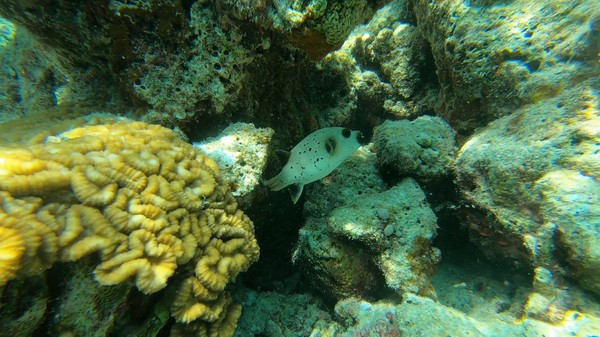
(315, 157)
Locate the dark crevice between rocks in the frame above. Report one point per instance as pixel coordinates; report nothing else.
(276, 223)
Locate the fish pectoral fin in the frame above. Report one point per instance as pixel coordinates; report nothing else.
(295, 191)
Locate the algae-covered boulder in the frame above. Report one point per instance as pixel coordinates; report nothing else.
(376, 239)
(571, 202)
(397, 227)
(356, 176)
(492, 57)
(274, 314)
(34, 78)
(241, 151)
(532, 178)
(386, 67)
(423, 148)
(526, 74)
(334, 266)
(418, 316)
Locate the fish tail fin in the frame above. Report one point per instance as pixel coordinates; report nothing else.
(296, 191)
(276, 183)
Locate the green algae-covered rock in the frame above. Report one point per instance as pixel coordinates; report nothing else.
(373, 240)
(492, 57)
(532, 178)
(423, 148)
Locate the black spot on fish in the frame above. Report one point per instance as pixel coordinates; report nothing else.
(330, 145)
(346, 133)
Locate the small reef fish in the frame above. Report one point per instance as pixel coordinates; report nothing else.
(315, 157)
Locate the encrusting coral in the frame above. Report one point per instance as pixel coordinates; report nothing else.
(141, 199)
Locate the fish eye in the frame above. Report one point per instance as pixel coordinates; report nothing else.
(346, 133)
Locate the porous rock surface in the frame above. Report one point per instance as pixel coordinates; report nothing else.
(424, 148)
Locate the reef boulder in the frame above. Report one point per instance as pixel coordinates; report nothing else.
(532, 181)
(379, 238)
(423, 148)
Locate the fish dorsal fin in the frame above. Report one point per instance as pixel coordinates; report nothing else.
(295, 191)
(282, 155)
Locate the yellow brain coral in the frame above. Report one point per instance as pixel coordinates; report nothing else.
(141, 199)
(12, 247)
